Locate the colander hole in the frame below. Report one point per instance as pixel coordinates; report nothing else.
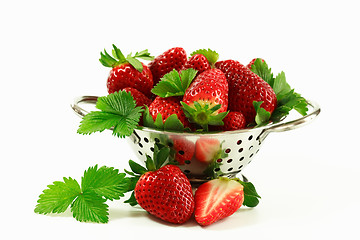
(140, 145)
(230, 169)
(170, 144)
(242, 158)
(157, 140)
(251, 136)
(251, 155)
(251, 147)
(257, 150)
(152, 149)
(140, 153)
(187, 162)
(187, 171)
(219, 160)
(228, 150)
(241, 149)
(257, 138)
(239, 142)
(181, 152)
(240, 166)
(217, 169)
(229, 161)
(146, 139)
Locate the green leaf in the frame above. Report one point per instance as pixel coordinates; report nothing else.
(172, 123)
(203, 114)
(90, 207)
(251, 197)
(137, 168)
(161, 154)
(135, 63)
(145, 55)
(58, 197)
(261, 69)
(105, 181)
(118, 54)
(173, 84)
(132, 200)
(106, 60)
(262, 116)
(148, 120)
(118, 110)
(280, 85)
(210, 55)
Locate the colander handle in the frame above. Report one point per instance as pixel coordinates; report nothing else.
(83, 99)
(293, 124)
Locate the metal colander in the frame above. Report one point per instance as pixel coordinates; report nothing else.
(236, 149)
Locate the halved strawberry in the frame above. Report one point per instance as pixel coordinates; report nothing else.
(207, 149)
(217, 199)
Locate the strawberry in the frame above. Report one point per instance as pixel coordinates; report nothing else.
(139, 97)
(127, 72)
(184, 149)
(234, 121)
(217, 199)
(252, 62)
(207, 149)
(166, 107)
(201, 60)
(166, 193)
(174, 58)
(206, 100)
(245, 87)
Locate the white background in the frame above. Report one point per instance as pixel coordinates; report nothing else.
(308, 178)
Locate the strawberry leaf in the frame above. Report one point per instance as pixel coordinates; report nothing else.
(117, 110)
(172, 123)
(251, 197)
(203, 115)
(262, 116)
(174, 84)
(287, 98)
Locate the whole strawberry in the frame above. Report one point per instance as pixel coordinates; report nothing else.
(205, 102)
(201, 60)
(252, 62)
(245, 87)
(166, 107)
(174, 58)
(234, 121)
(139, 97)
(127, 71)
(163, 191)
(217, 199)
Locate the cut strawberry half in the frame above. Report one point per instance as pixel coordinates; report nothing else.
(217, 199)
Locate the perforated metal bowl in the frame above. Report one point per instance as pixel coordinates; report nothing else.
(236, 148)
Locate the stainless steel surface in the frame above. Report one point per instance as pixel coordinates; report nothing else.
(238, 148)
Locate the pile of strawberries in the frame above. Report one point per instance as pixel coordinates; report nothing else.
(220, 97)
(205, 94)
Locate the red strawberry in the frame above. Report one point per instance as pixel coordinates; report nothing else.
(252, 62)
(138, 96)
(246, 87)
(167, 107)
(206, 100)
(234, 121)
(207, 149)
(127, 72)
(201, 60)
(166, 193)
(174, 58)
(217, 199)
(198, 62)
(184, 149)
